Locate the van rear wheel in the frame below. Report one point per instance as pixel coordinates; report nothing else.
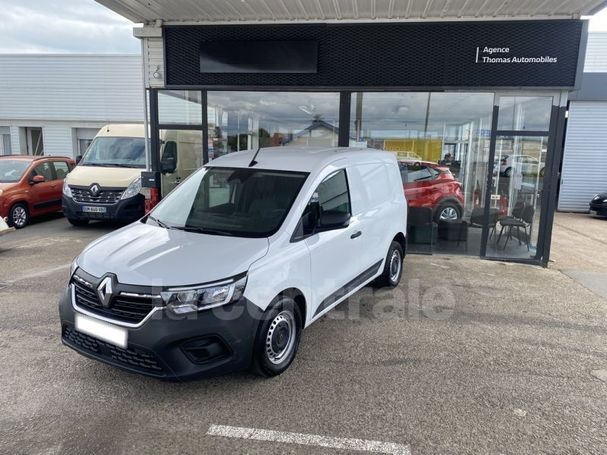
(393, 267)
(277, 338)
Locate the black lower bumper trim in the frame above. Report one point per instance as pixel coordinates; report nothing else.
(125, 210)
(136, 360)
(209, 343)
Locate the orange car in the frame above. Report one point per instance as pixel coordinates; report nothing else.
(31, 186)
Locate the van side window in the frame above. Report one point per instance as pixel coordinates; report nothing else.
(332, 194)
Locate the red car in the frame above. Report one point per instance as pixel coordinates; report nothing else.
(431, 185)
(31, 186)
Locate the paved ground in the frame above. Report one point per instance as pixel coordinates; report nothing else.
(580, 249)
(467, 356)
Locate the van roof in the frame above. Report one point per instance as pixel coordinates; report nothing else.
(122, 130)
(304, 158)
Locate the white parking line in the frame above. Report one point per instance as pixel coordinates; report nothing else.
(361, 445)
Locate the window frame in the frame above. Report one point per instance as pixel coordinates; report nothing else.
(296, 237)
(54, 163)
(51, 167)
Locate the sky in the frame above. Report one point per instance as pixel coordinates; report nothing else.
(84, 26)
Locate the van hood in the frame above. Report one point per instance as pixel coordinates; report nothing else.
(109, 177)
(141, 254)
(6, 185)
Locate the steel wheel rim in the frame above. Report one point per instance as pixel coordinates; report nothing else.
(19, 216)
(395, 265)
(449, 214)
(280, 339)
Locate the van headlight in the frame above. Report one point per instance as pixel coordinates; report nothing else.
(196, 298)
(67, 191)
(133, 190)
(73, 267)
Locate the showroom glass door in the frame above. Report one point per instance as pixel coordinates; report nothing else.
(520, 146)
(180, 120)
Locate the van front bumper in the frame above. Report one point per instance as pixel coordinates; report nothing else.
(125, 210)
(174, 349)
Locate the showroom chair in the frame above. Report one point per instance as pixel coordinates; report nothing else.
(477, 219)
(517, 212)
(525, 222)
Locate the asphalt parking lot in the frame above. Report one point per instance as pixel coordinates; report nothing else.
(466, 356)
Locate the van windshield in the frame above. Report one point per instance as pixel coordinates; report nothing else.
(115, 152)
(11, 171)
(241, 202)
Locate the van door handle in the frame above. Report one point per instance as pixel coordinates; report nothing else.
(356, 234)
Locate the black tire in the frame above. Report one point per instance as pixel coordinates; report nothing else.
(78, 223)
(272, 355)
(18, 216)
(508, 172)
(453, 211)
(391, 274)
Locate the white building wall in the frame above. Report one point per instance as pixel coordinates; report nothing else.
(62, 92)
(17, 146)
(596, 53)
(58, 140)
(71, 87)
(584, 167)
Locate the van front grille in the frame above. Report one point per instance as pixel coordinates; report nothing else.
(84, 195)
(122, 308)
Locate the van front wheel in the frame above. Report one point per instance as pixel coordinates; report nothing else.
(393, 268)
(277, 338)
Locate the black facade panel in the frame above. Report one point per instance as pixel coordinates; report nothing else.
(431, 54)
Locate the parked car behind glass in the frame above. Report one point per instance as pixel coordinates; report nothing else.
(430, 185)
(598, 204)
(527, 165)
(31, 186)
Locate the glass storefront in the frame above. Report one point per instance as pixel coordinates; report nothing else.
(517, 192)
(471, 190)
(245, 120)
(442, 143)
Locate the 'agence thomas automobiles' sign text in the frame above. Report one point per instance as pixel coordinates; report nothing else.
(486, 54)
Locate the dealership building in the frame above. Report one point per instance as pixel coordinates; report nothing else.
(480, 86)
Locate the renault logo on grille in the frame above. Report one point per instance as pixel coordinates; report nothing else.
(105, 291)
(95, 189)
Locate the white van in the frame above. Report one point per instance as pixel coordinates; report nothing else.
(106, 183)
(229, 268)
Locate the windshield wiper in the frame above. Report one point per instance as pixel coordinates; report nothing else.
(203, 230)
(160, 223)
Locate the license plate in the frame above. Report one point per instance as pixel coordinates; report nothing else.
(102, 330)
(89, 209)
(594, 212)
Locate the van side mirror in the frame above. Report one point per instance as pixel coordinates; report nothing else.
(78, 159)
(168, 163)
(333, 219)
(37, 179)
